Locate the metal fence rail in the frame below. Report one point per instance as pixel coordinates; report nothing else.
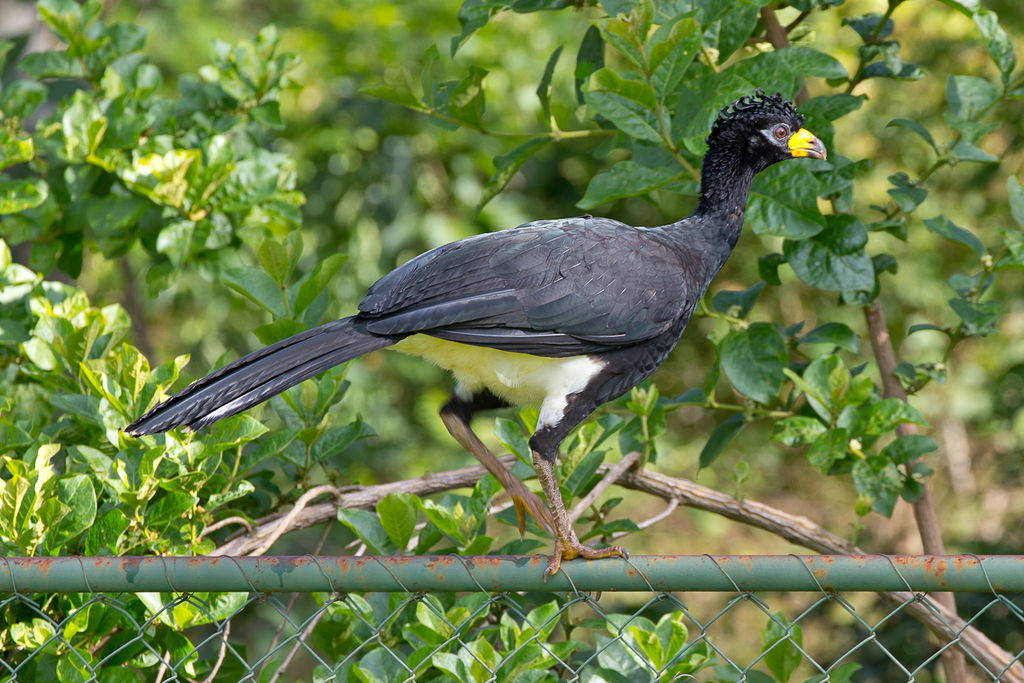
(665, 618)
(654, 573)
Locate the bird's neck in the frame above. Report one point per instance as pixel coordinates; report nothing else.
(714, 228)
(724, 190)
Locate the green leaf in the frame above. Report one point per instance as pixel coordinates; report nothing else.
(69, 18)
(21, 98)
(831, 448)
(965, 151)
(449, 520)
(506, 166)
(335, 440)
(114, 220)
(753, 360)
(1016, 197)
(168, 510)
(917, 128)
(969, 96)
(783, 203)
(735, 27)
(834, 260)
(466, 101)
(255, 285)
(51, 64)
(823, 381)
(399, 91)
(366, 525)
(737, 303)
(720, 438)
(175, 241)
(877, 489)
(798, 430)
(781, 646)
(671, 58)
(866, 26)
(21, 194)
(626, 35)
(165, 178)
(398, 514)
(103, 536)
(908, 448)
(906, 194)
(964, 7)
(474, 14)
(83, 125)
(311, 287)
(891, 65)
(785, 69)
(236, 430)
(627, 103)
(544, 88)
(881, 417)
(589, 59)
(77, 493)
(768, 268)
(269, 114)
(275, 260)
(510, 435)
(980, 319)
(941, 225)
(625, 179)
(836, 334)
(239, 490)
(997, 42)
(581, 475)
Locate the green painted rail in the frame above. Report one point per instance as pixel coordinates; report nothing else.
(987, 573)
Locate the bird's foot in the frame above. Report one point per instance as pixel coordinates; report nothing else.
(528, 502)
(571, 549)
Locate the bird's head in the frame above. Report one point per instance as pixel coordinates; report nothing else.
(765, 129)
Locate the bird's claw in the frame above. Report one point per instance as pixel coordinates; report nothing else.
(527, 502)
(568, 550)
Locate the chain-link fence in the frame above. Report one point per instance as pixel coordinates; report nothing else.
(703, 618)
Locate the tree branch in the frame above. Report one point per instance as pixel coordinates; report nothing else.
(779, 38)
(924, 509)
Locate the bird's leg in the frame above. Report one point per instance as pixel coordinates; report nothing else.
(567, 544)
(456, 415)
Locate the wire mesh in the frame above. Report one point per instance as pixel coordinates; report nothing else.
(467, 620)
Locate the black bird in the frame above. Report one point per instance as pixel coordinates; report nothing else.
(562, 314)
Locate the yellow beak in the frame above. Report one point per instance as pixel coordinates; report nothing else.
(803, 144)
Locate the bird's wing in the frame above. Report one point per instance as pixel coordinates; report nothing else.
(552, 288)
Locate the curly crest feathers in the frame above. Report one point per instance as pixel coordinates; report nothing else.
(759, 104)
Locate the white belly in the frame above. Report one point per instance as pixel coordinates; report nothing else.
(519, 378)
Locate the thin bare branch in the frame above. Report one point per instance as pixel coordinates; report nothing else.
(283, 524)
(651, 521)
(611, 476)
(363, 498)
(220, 524)
(220, 655)
(299, 642)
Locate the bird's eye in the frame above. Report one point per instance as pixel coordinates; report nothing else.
(781, 132)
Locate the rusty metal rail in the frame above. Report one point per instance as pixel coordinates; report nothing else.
(822, 573)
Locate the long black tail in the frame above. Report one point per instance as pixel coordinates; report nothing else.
(262, 374)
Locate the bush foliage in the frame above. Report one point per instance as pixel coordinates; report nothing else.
(103, 159)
